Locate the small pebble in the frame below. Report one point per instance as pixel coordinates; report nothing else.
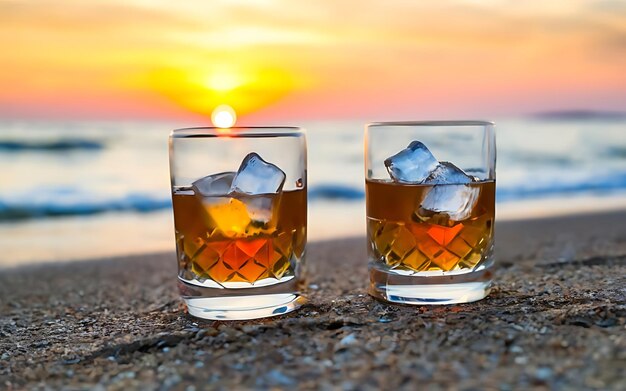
(170, 381)
(71, 361)
(521, 360)
(277, 378)
(348, 340)
(543, 373)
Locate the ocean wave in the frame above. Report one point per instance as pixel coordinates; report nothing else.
(618, 152)
(73, 202)
(527, 158)
(54, 206)
(615, 181)
(335, 192)
(526, 190)
(595, 184)
(62, 202)
(62, 145)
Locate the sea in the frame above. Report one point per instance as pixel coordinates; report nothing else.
(79, 190)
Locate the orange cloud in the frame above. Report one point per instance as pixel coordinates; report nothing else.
(273, 59)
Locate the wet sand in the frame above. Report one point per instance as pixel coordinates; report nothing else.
(556, 318)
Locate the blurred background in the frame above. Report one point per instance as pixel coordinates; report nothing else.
(92, 89)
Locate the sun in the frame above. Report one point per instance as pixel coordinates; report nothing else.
(223, 116)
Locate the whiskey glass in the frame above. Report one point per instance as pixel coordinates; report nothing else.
(430, 204)
(240, 215)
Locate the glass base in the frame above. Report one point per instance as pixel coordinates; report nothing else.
(419, 289)
(243, 307)
(241, 304)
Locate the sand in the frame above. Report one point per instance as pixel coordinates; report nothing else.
(556, 319)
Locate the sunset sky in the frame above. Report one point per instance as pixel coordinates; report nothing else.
(279, 59)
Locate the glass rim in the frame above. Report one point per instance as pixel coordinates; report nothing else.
(238, 131)
(432, 123)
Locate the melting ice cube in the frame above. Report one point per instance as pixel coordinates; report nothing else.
(451, 197)
(214, 185)
(451, 194)
(256, 176)
(411, 165)
(457, 201)
(258, 185)
(260, 208)
(447, 173)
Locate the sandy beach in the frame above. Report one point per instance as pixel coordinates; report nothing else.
(554, 320)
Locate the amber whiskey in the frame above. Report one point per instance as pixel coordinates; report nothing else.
(405, 237)
(224, 241)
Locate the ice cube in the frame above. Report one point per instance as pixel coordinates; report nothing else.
(214, 185)
(447, 173)
(260, 208)
(256, 176)
(456, 201)
(411, 165)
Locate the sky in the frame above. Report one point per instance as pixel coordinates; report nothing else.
(280, 60)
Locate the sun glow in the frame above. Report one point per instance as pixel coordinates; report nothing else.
(223, 116)
(223, 82)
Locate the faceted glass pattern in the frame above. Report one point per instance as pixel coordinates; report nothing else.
(242, 260)
(217, 240)
(422, 246)
(403, 238)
